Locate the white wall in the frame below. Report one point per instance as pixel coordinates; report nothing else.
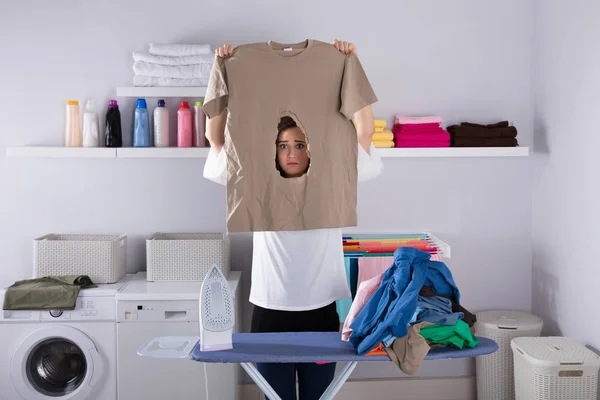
(464, 60)
(566, 218)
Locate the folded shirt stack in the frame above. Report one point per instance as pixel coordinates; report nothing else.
(469, 134)
(382, 138)
(173, 65)
(419, 132)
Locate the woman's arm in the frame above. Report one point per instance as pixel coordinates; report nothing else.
(215, 132)
(365, 127)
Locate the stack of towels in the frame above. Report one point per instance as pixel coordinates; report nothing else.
(469, 134)
(420, 132)
(382, 138)
(173, 65)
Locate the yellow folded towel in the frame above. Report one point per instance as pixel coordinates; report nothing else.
(381, 144)
(380, 123)
(383, 135)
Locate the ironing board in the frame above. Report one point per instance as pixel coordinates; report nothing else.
(301, 347)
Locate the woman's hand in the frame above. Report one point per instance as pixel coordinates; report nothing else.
(225, 51)
(345, 47)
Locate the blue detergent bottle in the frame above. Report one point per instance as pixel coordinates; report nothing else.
(141, 129)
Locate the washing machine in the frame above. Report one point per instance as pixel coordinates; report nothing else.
(146, 310)
(60, 355)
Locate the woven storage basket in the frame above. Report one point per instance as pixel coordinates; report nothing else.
(554, 368)
(101, 257)
(185, 256)
(495, 371)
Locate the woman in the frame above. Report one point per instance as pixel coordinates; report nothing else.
(292, 159)
(297, 276)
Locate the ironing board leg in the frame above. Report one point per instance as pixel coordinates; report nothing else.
(338, 381)
(260, 381)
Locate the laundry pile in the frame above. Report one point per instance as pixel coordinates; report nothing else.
(383, 137)
(419, 132)
(406, 308)
(469, 134)
(173, 65)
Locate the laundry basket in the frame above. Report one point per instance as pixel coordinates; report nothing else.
(495, 371)
(185, 256)
(554, 368)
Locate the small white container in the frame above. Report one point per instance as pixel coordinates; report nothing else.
(91, 126)
(101, 257)
(161, 125)
(556, 368)
(185, 256)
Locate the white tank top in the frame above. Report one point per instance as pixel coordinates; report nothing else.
(297, 270)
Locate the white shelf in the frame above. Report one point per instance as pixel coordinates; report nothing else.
(454, 152)
(162, 152)
(202, 152)
(161, 91)
(61, 152)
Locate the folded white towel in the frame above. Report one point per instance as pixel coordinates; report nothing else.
(141, 80)
(165, 60)
(178, 50)
(172, 71)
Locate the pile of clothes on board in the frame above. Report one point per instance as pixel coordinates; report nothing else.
(410, 308)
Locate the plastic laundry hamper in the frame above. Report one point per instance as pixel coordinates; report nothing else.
(495, 379)
(554, 368)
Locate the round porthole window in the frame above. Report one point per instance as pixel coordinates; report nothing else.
(56, 367)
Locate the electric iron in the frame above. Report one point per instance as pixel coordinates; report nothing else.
(216, 312)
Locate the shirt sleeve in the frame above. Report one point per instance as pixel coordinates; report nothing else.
(215, 168)
(217, 93)
(356, 92)
(369, 165)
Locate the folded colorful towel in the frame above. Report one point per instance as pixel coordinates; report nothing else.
(416, 127)
(380, 123)
(383, 143)
(164, 60)
(443, 136)
(179, 50)
(383, 136)
(422, 143)
(469, 131)
(403, 119)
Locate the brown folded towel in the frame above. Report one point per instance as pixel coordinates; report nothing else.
(501, 124)
(468, 131)
(484, 142)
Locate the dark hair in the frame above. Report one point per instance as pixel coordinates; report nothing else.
(286, 122)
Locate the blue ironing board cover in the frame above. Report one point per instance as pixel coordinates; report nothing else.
(291, 347)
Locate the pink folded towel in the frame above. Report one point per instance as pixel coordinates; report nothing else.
(440, 136)
(403, 119)
(416, 127)
(421, 143)
(418, 131)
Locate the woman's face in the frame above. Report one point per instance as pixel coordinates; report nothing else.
(292, 154)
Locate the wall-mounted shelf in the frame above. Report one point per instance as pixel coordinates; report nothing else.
(202, 152)
(161, 91)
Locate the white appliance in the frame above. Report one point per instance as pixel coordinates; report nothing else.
(146, 310)
(216, 312)
(60, 355)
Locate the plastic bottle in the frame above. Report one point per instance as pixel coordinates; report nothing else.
(91, 126)
(141, 128)
(112, 132)
(184, 125)
(72, 126)
(161, 125)
(199, 125)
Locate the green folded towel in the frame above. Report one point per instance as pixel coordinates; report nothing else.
(458, 335)
(46, 293)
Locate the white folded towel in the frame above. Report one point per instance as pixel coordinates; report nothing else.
(141, 80)
(165, 60)
(178, 50)
(172, 71)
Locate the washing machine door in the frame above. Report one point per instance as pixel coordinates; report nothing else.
(56, 362)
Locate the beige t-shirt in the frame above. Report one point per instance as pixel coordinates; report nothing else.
(321, 89)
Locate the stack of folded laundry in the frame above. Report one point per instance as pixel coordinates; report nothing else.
(382, 138)
(173, 65)
(469, 134)
(420, 132)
